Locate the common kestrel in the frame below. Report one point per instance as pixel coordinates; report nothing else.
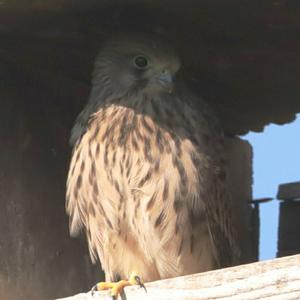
(148, 178)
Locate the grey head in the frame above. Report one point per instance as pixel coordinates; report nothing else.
(128, 65)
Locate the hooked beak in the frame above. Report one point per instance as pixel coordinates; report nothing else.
(165, 79)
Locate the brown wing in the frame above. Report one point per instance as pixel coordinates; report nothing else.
(221, 221)
(213, 194)
(210, 160)
(92, 196)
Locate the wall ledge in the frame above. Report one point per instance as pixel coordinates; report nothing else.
(275, 279)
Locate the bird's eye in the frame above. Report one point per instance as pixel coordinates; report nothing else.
(141, 62)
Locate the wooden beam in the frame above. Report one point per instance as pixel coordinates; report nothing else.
(273, 280)
(289, 191)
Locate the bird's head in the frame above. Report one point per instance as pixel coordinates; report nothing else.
(125, 66)
(136, 63)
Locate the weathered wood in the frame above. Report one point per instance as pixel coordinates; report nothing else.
(273, 280)
(239, 158)
(243, 60)
(289, 222)
(288, 191)
(289, 228)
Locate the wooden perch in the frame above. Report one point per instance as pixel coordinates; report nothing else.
(276, 279)
(289, 191)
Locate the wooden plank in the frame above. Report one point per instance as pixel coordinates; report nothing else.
(239, 158)
(289, 191)
(273, 280)
(223, 67)
(289, 228)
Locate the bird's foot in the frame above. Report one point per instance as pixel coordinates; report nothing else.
(116, 288)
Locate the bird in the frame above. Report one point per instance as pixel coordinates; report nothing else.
(148, 176)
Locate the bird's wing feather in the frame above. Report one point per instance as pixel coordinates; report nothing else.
(219, 206)
(213, 191)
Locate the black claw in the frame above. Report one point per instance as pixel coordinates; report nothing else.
(94, 289)
(142, 286)
(138, 280)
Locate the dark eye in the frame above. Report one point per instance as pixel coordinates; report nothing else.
(141, 62)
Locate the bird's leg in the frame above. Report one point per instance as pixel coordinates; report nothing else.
(116, 288)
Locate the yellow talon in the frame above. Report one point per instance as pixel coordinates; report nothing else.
(117, 287)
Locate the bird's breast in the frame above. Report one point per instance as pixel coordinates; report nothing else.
(141, 149)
